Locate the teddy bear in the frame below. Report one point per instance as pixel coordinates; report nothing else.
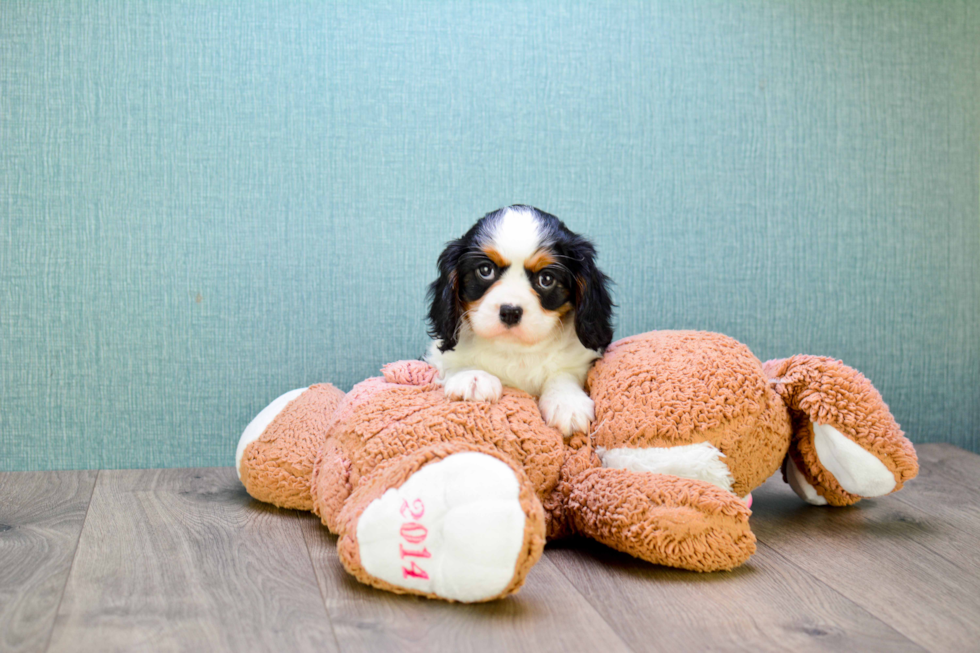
(456, 499)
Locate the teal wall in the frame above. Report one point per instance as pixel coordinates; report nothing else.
(204, 206)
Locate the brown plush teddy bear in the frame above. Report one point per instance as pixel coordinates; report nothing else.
(454, 500)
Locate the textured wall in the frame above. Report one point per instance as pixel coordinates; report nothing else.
(202, 207)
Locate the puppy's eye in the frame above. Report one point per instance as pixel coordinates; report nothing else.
(486, 271)
(546, 280)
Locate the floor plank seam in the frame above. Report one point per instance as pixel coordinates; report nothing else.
(74, 553)
(319, 587)
(948, 478)
(925, 545)
(835, 595)
(858, 605)
(589, 603)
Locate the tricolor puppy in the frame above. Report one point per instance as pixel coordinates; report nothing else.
(520, 302)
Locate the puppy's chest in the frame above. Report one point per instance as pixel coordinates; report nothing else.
(526, 373)
(530, 371)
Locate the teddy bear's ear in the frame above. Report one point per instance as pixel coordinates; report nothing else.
(445, 304)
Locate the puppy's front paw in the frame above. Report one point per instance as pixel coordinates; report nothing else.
(569, 412)
(474, 385)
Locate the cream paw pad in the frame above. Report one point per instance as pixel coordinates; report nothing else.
(455, 529)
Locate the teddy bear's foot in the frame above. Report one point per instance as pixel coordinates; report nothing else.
(846, 444)
(800, 485)
(667, 520)
(455, 528)
(462, 527)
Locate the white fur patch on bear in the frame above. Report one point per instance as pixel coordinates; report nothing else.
(857, 470)
(455, 528)
(699, 462)
(257, 426)
(800, 485)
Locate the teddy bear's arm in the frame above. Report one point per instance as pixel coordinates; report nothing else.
(277, 451)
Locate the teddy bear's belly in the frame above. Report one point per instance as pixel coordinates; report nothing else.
(700, 462)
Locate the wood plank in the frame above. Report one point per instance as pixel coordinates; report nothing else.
(945, 498)
(944, 465)
(184, 559)
(548, 614)
(882, 555)
(766, 605)
(41, 516)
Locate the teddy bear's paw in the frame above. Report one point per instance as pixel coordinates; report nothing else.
(474, 385)
(797, 481)
(455, 529)
(257, 426)
(569, 412)
(856, 469)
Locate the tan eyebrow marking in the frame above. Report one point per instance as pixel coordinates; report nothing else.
(561, 311)
(539, 260)
(496, 257)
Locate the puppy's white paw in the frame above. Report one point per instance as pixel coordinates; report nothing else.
(473, 385)
(568, 411)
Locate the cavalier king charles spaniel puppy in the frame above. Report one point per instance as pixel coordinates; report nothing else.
(520, 302)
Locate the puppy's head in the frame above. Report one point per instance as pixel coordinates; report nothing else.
(518, 275)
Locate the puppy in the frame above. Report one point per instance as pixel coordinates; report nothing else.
(520, 302)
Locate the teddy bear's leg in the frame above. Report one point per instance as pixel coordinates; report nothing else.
(276, 452)
(846, 445)
(451, 521)
(663, 519)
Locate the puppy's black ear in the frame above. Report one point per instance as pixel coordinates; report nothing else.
(593, 304)
(445, 304)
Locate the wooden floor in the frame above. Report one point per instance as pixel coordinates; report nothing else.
(185, 560)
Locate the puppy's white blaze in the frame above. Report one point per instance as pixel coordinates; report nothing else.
(699, 462)
(517, 236)
(513, 289)
(261, 421)
(857, 470)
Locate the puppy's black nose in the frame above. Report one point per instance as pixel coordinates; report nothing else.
(510, 315)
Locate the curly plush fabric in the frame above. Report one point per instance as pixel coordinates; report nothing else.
(277, 467)
(682, 523)
(395, 473)
(380, 420)
(580, 457)
(671, 388)
(822, 390)
(664, 400)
